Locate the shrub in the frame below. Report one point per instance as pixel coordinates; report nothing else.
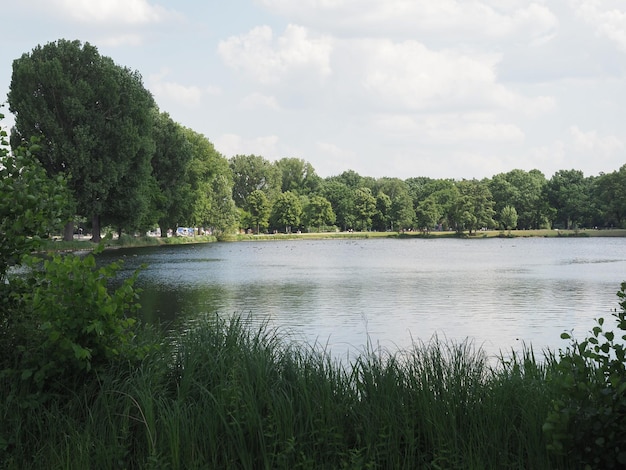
(588, 422)
(69, 322)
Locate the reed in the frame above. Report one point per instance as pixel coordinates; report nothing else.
(228, 394)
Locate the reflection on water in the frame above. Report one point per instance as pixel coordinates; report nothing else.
(500, 292)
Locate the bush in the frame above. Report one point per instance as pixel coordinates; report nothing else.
(589, 422)
(66, 322)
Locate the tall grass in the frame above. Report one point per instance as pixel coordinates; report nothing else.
(225, 394)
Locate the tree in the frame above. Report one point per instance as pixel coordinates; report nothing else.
(94, 119)
(287, 211)
(609, 192)
(260, 209)
(298, 176)
(252, 172)
(172, 196)
(341, 198)
(365, 207)
(402, 212)
(568, 191)
(211, 186)
(428, 213)
(319, 212)
(508, 217)
(350, 178)
(382, 217)
(522, 190)
(473, 208)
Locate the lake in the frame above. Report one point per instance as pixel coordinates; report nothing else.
(339, 293)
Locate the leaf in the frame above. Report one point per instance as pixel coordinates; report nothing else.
(565, 336)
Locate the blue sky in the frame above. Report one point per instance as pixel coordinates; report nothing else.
(401, 88)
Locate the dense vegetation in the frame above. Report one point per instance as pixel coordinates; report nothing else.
(131, 168)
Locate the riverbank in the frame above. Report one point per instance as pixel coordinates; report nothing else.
(128, 242)
(544, 233)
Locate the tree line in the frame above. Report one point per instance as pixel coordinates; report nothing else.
(130, 167)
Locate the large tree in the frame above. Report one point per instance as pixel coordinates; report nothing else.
(609, 192)
(341, 198)
(473, 208)
(298, 175)
(523, 191)
(365, 207)
(94, 119)
(319, 212)
(260, 209)
(286, 211)
(251, 172)
(170, 168)
(211, 183)
(568, 191)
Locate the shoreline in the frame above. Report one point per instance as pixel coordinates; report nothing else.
(85, 244)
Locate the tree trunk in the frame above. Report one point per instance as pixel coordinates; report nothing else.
(95, 227)
(68, 231)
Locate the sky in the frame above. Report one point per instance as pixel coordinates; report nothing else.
(396, 88)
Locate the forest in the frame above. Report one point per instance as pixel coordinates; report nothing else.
(130, 168)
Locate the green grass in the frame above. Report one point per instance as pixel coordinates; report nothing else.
(226, 394)
(127, 241)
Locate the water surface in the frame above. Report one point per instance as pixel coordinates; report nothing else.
(340, 293)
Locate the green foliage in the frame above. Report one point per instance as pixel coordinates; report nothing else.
(568, 192)
(251, 172)
(94, 119)
(210, 199)
(235, 394)
(260, 209)
(473, 207)
(170, 169)
(341, 198)
(365, 207)
(286, 211)
(298, 176)
(588, 420)
(66, 322)
(508, 217)
(428, 213)
(31, 204)
(319, 212)
(522, 190)
(609, 194)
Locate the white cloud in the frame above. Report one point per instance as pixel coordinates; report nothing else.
(471, 127)
(260, 101)
(592, 142)
(470, 19)
(271, 60)
(607, 20)
(132, 12)
(187, 95)
(549, 158)
(411, 76)
(233, 144)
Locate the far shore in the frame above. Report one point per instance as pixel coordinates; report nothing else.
(84, 243)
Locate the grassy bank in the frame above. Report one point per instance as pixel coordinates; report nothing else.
(543, 233)
(123, 242)
(127, 241)
(224, 396)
